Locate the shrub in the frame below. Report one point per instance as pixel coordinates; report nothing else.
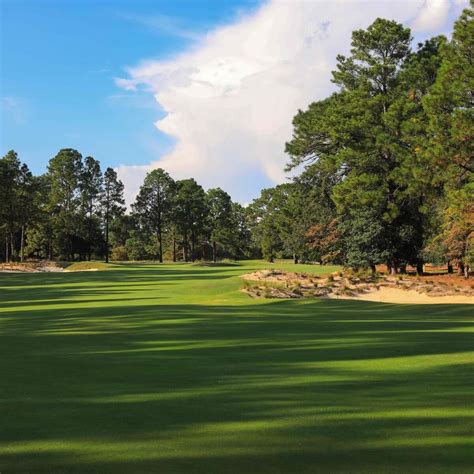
(297, 290)
(267, 292)
(119, 253)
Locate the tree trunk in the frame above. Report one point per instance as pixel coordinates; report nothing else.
(193, 239)
(22, 243)
(450, 268)
(214, 251)
(160, 243)
(295, 259)
(107, 239)
(403, 269)
(12, 246)
(185, 247)
(89, 238)
(174, 249)
(461, 269)
(72, 254)
(7, 248)
(419, 267)
(372, 268)
(466, 271)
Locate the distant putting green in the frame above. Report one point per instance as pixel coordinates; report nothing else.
(148, 368)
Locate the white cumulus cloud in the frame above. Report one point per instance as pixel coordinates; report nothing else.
(229, 99)
(431, 16)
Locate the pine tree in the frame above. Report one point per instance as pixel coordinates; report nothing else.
(190, 211)
(153, 204)
(64, 172)
(221, 231)
(112, 203)
(451, 125)
(90, 187)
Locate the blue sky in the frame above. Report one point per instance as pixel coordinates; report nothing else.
(59, 60)
(201, 88)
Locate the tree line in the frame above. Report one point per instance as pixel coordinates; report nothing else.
(65, 213)
(386, 162)
(76, 212)
(383, 174)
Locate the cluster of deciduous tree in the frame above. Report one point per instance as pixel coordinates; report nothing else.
(74, 211)
(386, 161)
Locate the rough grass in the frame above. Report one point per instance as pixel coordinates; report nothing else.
(149, 368)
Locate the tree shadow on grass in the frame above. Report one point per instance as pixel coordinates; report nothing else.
(287, 386)
(189, 388)
(25, 288)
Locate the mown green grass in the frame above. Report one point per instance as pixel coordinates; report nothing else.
(145, 368)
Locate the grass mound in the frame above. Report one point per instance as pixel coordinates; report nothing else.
(88, 266)
(223, 263)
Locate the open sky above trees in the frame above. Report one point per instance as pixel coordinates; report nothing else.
(191, 87)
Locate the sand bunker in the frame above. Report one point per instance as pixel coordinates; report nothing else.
(31, 267)
(66, 270)
(394, 295)
(42, 267)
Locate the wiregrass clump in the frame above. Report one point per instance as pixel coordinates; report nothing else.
(350, 283)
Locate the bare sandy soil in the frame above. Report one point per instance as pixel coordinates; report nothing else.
(30, 267)
(394, 295)
(435, 273)
(401, 289)
(67, 270)
(41, 267)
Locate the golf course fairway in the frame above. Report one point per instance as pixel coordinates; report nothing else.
(147, 368)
